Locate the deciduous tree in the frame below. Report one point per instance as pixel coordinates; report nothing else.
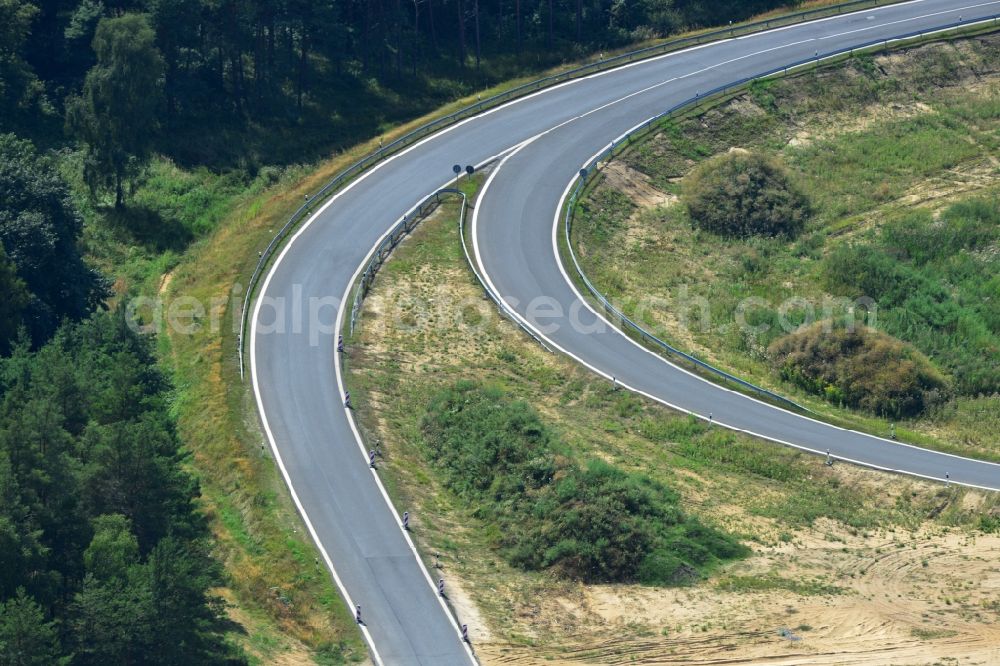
(116, 116)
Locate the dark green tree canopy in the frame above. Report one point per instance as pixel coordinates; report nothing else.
(26, 637)
(98, 527)
(238, 77)
(116, 115)
(20, 90)
(15, 302)
(40, 231)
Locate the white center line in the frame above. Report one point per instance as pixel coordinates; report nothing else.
(913, 18)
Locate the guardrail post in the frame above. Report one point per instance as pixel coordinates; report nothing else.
(407, 139)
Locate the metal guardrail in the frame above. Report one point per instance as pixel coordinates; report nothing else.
(400, 230)
(473, 109)
(641, 130)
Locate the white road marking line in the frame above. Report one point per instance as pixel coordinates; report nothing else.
(312, 218)
(291, 487)
(263, 414)
(834, 17)
(569, 281)
(376, 168)
(953, 10)
(586, 364)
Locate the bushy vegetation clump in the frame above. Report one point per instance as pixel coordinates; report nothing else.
(742, 194)
(935, 282)
(595, 523)
(860, 367)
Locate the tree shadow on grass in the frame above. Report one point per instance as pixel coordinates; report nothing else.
(146, 227)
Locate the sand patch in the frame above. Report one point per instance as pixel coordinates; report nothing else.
(636, 185)
(905, 598)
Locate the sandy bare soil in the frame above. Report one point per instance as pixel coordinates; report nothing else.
(927, 597)
(888, 596)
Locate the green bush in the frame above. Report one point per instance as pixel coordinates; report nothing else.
(487, 446)
(861, 368)
(743, 194)
(595, 523)
(935, 282)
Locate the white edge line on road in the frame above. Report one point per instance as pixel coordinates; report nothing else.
(566, 277)
(364, 454)
(291, 487)
(267, 280)
(555, 345)
(586, 303)
(913, 18)
(856, 12)
(562, 269)
(357, 434)
(340, 384)
(315, 215)
(263, 414)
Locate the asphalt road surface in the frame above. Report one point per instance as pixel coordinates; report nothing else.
(544, 138)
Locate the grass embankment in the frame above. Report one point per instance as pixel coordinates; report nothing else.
(898, 156)
(426, 326)
(592, 522)
(209, 226)
(286, 600)
(287, 603)
(197, 233)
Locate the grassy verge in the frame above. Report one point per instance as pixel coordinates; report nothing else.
(288, 601)
(196, 233)
(426, 325)
(874, 143)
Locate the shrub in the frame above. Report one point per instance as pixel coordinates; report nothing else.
(595, 523)
(935, 282)
(860, 367)
(486, 445)
(744, 194)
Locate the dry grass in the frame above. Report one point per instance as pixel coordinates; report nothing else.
(834, 129)
(289, 604)
(268, 558)
(851, 566)
(289, 608)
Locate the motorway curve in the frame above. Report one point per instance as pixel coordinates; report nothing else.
(544, 139)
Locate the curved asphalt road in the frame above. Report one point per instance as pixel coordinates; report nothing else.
(296, 372)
